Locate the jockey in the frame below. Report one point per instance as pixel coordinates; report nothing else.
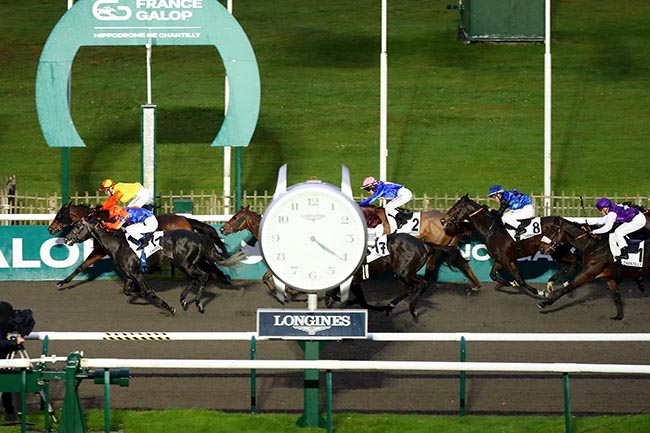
(514, 207)
(129, 194)
(139, 223)
(631, 220)
(396, 194)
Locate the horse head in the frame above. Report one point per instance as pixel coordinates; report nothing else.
(372, 219)
(240, 221)
(81, 231)
(561, 232)
(61, 219)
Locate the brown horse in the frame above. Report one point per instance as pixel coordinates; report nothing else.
(247, 219)
(70, 214)
(598, 262)
(431, 227)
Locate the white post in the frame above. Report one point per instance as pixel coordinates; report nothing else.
(148, 47)
(312, 301)
(227, 150)
(383, 94)
(547, 110)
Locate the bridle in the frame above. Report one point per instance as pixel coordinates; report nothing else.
(553, 245)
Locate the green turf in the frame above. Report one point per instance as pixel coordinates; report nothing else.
(461, 117)
(200, 420)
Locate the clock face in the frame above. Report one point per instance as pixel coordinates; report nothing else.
(313, 237)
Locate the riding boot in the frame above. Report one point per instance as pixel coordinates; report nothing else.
(145, 239)
(624, 254)
(133, 240)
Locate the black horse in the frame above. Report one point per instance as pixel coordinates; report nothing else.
(407, 255)
(189, 251)
(70, 213)
(503, 249)
(598, 261)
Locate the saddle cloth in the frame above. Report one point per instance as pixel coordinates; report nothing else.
(152, 247)
(379, 250)
(635, 251)
(533, 228)
(410, 225)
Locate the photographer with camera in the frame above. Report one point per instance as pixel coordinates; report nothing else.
(14, 325)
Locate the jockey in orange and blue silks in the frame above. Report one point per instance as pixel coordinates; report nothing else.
(631, 220)
(396, 194)
(514, 206)
(136, 221)
(129, 194)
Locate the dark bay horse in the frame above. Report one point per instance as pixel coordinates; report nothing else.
(502, 248)
(432, 229)
(187, 250)
(407, 255)
(598, 262)
(72, 213)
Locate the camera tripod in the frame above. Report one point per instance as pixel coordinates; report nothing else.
(22, 353)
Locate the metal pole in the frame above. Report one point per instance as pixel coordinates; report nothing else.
(547, 110)
(383, 94)
(567, 403)
(461, 400)
(253, 376)
(65, 151)
(328, 379)
(227, 150)
(107, 400)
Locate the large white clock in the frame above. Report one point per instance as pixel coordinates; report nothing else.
(313, 235)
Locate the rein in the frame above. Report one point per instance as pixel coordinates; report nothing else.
(476, 212)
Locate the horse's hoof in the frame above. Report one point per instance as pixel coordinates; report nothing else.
(201, 308)
(542, 304)
(549, 287)
(414, 315)
(184, 305)
(617, 317)
(63, 283)
(172, 310)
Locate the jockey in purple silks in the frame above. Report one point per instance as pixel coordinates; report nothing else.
(631, 218)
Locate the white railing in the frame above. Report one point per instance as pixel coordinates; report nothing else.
(373, 336)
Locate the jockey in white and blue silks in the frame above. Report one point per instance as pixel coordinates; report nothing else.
(631, 218)
(514, 207)
(396, 194)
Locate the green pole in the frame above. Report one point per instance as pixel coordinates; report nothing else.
(23, 400)
(46, 386)
(328, 378)
(461, 400)
(567, 404)
(253, 376)
(311, 416)
(107, 400)
(238, 175)
(65, 175)
(72, 417)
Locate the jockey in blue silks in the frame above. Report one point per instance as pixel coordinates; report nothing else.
(139, 223)
(396, 194)
(631, 220)
(514, 206)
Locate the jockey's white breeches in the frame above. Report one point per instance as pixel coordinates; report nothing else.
(142, 198)
(512, 217)
(138, 230)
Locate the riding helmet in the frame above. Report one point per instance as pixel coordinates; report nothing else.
(494, 190)
(106, 184)
(603, 203)
(368, 182)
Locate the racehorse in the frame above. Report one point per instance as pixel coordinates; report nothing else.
(407, 255)
(189, 251)
(598, 261)
(247, 219)
(503, 249)
(431, 229)
(72, 213)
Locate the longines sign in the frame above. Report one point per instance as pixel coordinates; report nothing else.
(311, 325)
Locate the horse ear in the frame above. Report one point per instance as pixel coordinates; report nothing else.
(466, 196)
(246, 207)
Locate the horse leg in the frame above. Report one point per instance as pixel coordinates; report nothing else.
(421, 288)
(580, 279)
(511, 267)
(190, 287)
(147, 290)
(494, 274)
(199, 293)
(93, 258)
(616, 296)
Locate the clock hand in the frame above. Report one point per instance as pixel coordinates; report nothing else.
(313, 239)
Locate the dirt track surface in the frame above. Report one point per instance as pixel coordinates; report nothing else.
(100, 306)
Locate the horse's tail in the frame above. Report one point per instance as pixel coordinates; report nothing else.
(209, 231)
(231, 261)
